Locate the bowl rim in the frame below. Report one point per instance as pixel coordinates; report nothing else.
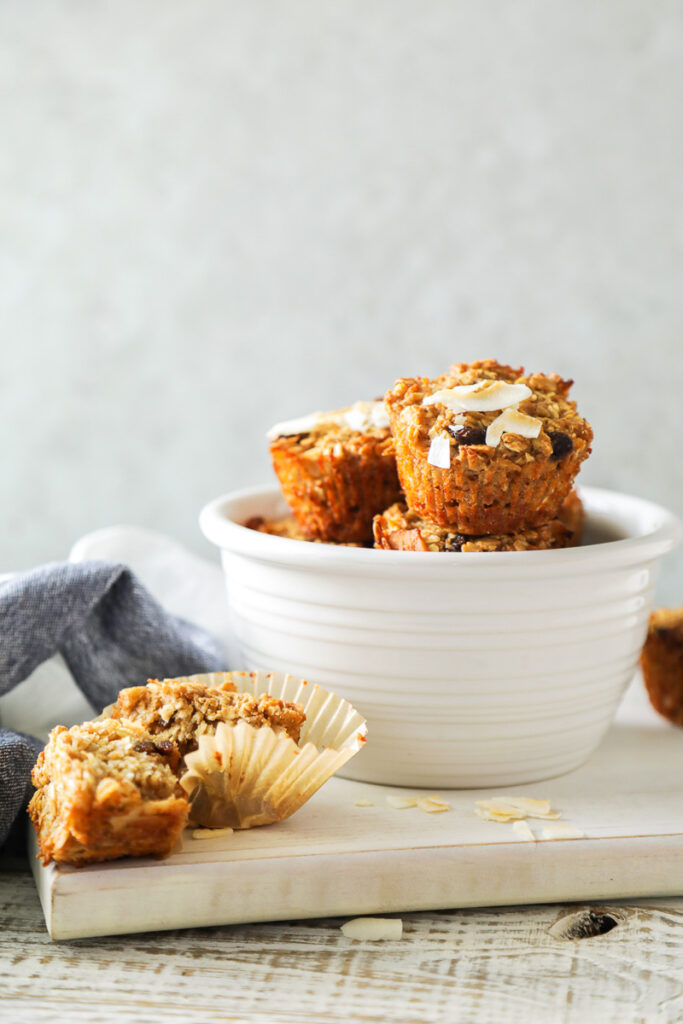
(219, 526)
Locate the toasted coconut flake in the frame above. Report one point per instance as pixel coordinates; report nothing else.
(482, 396)
(363, 803)
(511, 421)
(373, 929)
(562, 831)
(522, 830)
(433, 805)
(514, 808)
(402, 802)
(363, 415)
(488, 815)
(440, 452)
(211, 833)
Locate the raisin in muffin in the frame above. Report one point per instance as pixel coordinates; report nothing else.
(337, 470)
(106, 789)
(485, 449)
(662, 663)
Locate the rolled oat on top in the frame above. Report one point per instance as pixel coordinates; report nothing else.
(484, 449)
(337, 470)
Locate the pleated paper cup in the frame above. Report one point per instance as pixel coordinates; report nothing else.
(241, 776)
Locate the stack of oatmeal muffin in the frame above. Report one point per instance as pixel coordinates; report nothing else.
(482, 458)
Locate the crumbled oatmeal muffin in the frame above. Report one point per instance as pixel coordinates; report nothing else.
(106, 789)
(180, 711)
(662, 663)
(337, 470)
(401, 530)
(290, 529)
(485, 449)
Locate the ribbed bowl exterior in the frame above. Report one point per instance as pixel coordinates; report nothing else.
(481, 669)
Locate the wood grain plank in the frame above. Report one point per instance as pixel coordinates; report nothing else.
(379, 859)
(488, 965)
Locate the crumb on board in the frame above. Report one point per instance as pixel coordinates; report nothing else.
(211, 833)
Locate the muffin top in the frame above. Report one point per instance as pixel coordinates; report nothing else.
(494, 408)
(321, 432)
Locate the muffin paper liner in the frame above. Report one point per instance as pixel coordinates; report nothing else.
(243, 776)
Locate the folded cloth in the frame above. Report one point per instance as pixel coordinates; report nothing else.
(111, 633)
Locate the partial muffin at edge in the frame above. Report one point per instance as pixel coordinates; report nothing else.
(662, 663)
(105, 789)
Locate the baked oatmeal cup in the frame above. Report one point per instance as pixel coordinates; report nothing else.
(284, 738)
(106, 789)
(399, 529)
(484, 449)
(337, 470)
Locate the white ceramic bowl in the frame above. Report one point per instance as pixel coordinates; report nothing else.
(480, 669)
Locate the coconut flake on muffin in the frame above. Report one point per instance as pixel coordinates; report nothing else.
(515, 444)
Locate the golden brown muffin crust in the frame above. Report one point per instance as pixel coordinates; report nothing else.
(106, 789)
(518, 484)
(662, 663)
(400, 529)
(336, 479)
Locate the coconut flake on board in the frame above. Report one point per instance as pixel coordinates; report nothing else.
(514, 808)
(433, 805)
(521, 829)
(373, 929)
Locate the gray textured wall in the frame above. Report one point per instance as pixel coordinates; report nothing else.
(218, 215)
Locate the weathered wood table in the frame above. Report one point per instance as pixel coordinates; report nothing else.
(618, 963)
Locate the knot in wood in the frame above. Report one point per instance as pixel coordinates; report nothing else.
(584, 924)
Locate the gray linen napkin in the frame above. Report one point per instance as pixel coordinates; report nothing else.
(110, 631)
